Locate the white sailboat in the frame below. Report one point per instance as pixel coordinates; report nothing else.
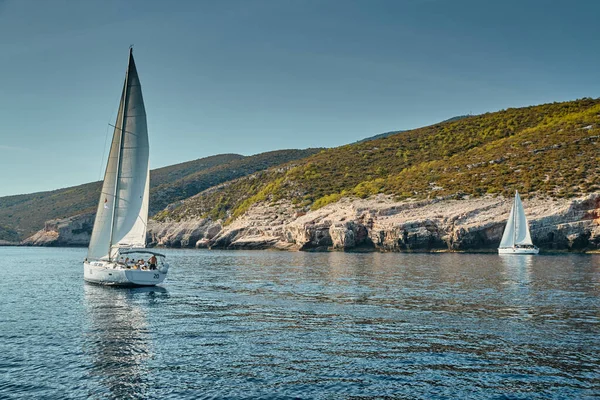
(120, 226)
(516, 238)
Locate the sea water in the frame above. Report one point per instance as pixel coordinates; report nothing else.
(269, 324)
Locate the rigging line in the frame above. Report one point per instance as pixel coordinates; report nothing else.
(124, 130)
(103, 152)
(145, 224)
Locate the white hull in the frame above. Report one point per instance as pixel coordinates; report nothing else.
(107, 273)
(518, 250)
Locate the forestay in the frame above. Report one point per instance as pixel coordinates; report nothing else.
(122, 212)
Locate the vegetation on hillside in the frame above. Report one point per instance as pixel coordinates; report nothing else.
(550, 149)
(193, 183)
(386, 134)
(8, 234)
(172, 173)
(22, 215)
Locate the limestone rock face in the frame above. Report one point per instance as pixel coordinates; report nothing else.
(576, 227)
(262, 226)
(379, 223)
(349, 235)
(73, 231)
(183, 234)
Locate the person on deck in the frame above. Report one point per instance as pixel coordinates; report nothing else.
(152, 262)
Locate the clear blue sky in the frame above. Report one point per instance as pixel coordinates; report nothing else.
(255, 75)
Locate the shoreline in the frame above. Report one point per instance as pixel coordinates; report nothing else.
(553, 252)
(377, 224)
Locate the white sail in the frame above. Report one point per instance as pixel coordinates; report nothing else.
(508, 238)
(122, 212)
(522, 235)
(516, 231)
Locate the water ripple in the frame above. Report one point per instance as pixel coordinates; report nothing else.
(300, 325)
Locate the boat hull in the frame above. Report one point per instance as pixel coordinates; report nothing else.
(107, 273)
(518, 250)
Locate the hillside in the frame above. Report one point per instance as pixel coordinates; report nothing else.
(550, 149)
(171, 190)
(379, 136)
(386, 134)
(9, 235)
(22, 215)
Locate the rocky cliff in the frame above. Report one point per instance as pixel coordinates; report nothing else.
(376, 224)
(73, 231)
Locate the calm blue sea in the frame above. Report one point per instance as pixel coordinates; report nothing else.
(269, 324)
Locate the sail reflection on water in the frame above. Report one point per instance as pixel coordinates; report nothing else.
(517, 281)
(517, 270)
(118, 341)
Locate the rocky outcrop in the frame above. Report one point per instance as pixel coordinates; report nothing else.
(259, 228)
(73, 231)
(190, 233)
(379, 223)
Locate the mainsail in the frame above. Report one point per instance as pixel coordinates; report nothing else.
(516, 231)
(122, 212)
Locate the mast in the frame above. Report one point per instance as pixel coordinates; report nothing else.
(515, 209)
(119, 155)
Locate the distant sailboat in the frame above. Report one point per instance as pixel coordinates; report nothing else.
(516, 238)
(120, 226)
